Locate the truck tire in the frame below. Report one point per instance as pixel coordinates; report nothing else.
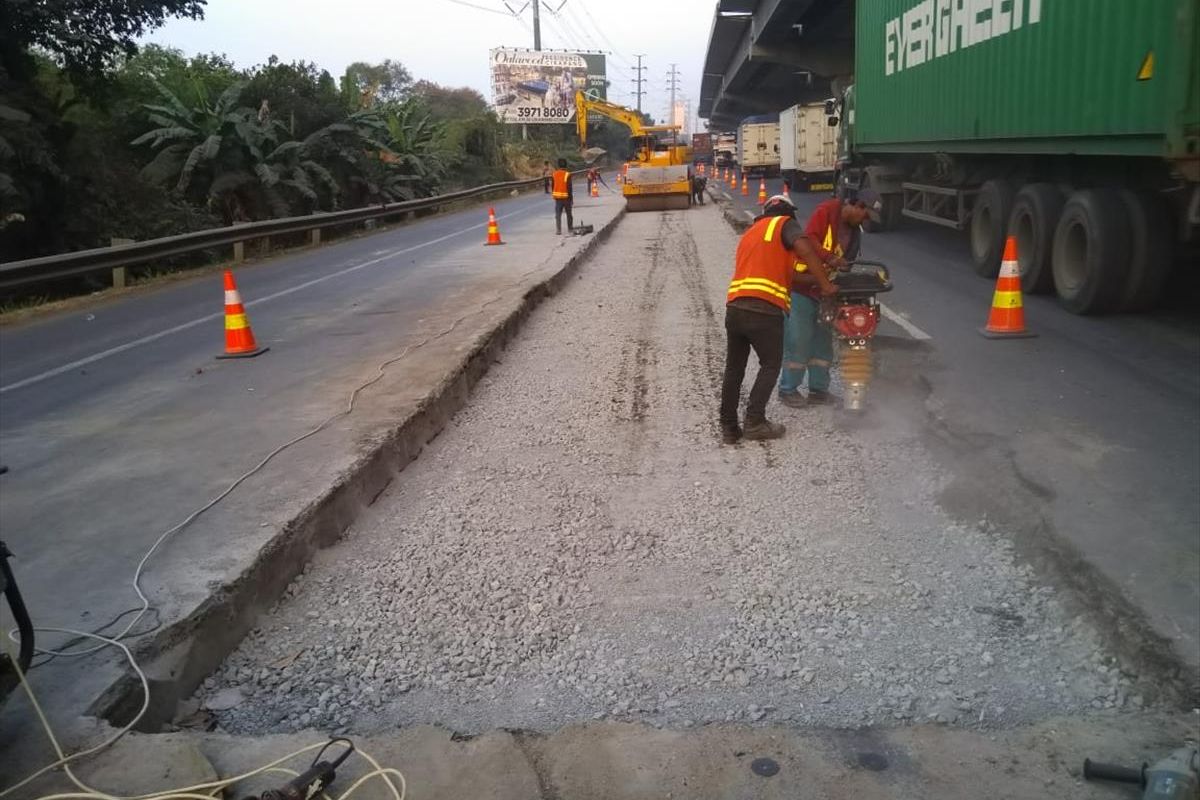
(1150, 238)
(989, 223)
(1091, 250)
(1034, 217)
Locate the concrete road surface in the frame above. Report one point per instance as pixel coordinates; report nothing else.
(1088, 435)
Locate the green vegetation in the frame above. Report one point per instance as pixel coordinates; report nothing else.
(99, 139)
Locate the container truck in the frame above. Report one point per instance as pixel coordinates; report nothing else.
(807, 147)
(725, 149)
(758, 145)
(702, 148)
(1073, 126)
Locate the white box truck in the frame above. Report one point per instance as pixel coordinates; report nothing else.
(807, 148)
(758, 145)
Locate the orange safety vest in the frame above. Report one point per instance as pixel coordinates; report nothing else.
(559, 187)
(763, 266)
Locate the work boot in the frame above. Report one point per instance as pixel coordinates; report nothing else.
(819, 397)
(763, 429)
(792, 399)
(731, 434)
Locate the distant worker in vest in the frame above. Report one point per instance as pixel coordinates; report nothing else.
(546, 177)
(564, 196)
(757, 303)
(834, 231)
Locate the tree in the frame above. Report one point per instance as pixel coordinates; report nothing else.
(84, 35)
(445, 103)
(364, 85)
(210, 149)
(299, 95)
(189, 79)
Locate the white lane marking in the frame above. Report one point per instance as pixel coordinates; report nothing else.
(909, 328)
(749, 214)
(121, 348)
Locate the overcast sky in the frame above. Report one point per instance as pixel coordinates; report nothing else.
(447, 41)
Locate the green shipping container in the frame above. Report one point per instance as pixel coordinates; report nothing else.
(1101, 77)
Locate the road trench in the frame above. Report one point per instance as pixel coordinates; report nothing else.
(577, 546)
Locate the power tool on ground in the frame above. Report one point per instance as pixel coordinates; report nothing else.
(1176, 777)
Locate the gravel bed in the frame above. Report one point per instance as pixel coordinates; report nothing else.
(578, 545)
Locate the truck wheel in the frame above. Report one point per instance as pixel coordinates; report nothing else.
(875, 222)
(1150, 238)
(1034, 217)
(1091, 249)
(989, 221)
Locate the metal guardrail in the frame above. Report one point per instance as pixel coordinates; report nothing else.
(84, 262)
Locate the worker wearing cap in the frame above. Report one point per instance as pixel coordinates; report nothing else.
(756, 305)
(833, 230)
(564, 196)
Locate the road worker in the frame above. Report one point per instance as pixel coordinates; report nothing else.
(833, 230)
(546, 171)
(593, 178)
(564, 196)
(699, 182)
(757, 304)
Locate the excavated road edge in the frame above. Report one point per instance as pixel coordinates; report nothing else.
(180, 656)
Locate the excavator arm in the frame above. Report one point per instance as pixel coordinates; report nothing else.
(626, 116)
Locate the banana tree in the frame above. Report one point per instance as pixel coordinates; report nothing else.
(210, 150)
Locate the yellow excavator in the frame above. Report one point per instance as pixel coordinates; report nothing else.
(659, 176)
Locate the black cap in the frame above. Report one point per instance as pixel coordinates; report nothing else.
(867, 198)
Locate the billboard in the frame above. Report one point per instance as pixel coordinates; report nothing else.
(538, 86)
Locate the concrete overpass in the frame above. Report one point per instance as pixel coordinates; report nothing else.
(766, 55)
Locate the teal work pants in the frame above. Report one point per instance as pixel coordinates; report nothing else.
(807, 347)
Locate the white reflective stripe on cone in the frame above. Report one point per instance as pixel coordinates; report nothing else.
(1010, 269)
(232, 297)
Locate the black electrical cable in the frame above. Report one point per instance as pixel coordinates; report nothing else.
(338, 762)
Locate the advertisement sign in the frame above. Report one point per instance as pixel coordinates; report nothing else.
(538, 86)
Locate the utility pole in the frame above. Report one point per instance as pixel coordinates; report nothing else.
(537, 45)
(537, 25)
(673, 77)
(639, 80)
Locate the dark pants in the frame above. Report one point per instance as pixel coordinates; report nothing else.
(546, 185)
(746, 330)
(559, 207)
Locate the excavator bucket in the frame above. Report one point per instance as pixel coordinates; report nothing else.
(653, 188)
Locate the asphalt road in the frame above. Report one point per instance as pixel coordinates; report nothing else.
(1097, 422)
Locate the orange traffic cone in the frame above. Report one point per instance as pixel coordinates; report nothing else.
(239, 339)
(733, 179)
(745, 186)
(595, 188)
(701, 169)
(762, 191)
(1007, 318)
(493, 229)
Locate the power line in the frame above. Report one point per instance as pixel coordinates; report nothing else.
(479, 7)
(616, 51)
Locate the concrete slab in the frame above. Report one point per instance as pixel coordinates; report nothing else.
(615, 761)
